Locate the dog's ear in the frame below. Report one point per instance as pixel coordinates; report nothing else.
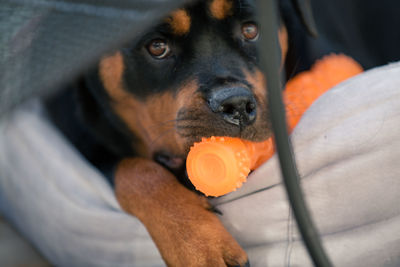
(303, 8)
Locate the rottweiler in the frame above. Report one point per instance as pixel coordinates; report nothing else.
(193, 75)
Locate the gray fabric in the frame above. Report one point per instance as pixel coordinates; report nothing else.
(347, 149)
(45, 43)
(61, 203)
(15, 250)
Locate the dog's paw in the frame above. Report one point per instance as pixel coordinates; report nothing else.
(182, 224)
(198, 240)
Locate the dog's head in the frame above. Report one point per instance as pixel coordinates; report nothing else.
(194, 75)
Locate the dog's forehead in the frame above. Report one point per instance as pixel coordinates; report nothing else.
(180, 20)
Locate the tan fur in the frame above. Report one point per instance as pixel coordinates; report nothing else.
(283, 42)
(111, 70)
(180, 22)
(257, 80)
(152, 119)
(221, 9)
(185, 232)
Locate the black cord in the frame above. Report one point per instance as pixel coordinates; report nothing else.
(269, 63)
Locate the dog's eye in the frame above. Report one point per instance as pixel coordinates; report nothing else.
(250, 31)
(158, 48)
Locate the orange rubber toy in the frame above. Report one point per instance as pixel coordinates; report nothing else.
(219, 165)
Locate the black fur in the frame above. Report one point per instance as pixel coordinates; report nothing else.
(211, 49)
(213, 52)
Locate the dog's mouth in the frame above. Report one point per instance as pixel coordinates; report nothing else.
(195, 124)
(232, 111)
(175, 161)
(172, 162)
(176, 165)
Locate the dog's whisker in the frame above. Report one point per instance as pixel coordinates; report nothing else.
(179, 125)
(164, 123)
(173, 126)
(173, 122)
(191, 127)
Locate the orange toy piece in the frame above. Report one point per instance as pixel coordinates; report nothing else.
(219, 165)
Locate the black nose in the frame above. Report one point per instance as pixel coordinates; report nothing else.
(236, 105)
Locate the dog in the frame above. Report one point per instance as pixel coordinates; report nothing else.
(193, 75)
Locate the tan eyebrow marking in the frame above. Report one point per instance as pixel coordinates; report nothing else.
(180, 22)
(111, 70)
(220, 9)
